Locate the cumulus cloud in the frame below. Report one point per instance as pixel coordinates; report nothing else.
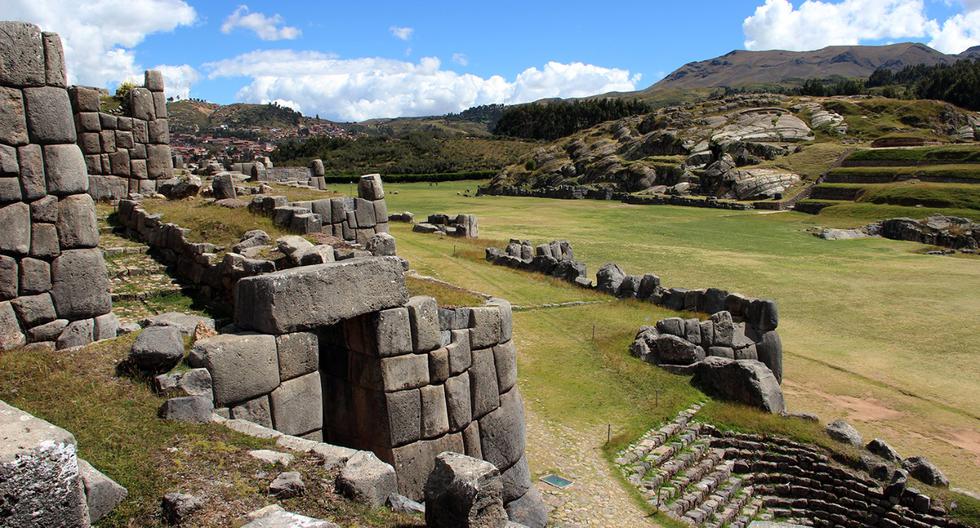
(178, 79)
(461, 59)
(777, 24)
(265, 27)
(401, 33)
(99, 37)
(364, 88)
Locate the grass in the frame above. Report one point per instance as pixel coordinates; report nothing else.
(855, 214)
(967, 172)
(210, 223)
(114, 422)
(935, 195)
(949, 154)
(812, 161)
(858, 323)
(445, 295)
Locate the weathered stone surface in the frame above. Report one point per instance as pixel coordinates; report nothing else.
(435, 419)
(35, 276)
(191, 409)
(49, 117)
(459, 407)
(749, 382)
(77, 225)
(529, 510)
(34, 310)
(505, 360)
(157, 349)
(9, 277)
(242, 366)
(460, 355)
(502, 431)
(484, 327)
(274, 457)
(367, 480)
(484, 391)
(16, 221)
(177, 508)
(298, 354)
(287, 485)
(76, 334)
(438, 365)
(46, 332)
(464, 492)
(32, 178)
(44, 240)
(609, 278)
(382, 245)
(256, 410)
(516, 480)
(38, 456)
(312, 296)
(13, 123)
(673, 350)
(223, 187)
(297, 405)
(925, 471)
(881, 448)
(159, 163)
(844, 433)
(770, 352)
(65, 169)
(80, 287)
(273, 516)
(186, 323)
(424, 318)
(370, 187)
(102, 494)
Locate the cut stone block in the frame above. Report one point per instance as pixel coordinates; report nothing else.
(297, 405)
(404, 410)
(13, 122)
(298, 354)
(424, 316)
(505, 360)
(502, 432)
(102, 494)
(65, 169)
(76, 334)
(484, 327)
(484, 391)
(256, 410)
(435, 420)
(49, 117)
(11, 335)
(366, 479)
(242, 366)
(313, 296)
(16, 221)
(464, 492)
(77, 225)
(458, 402)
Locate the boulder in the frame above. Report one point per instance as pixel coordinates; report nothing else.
(186, 323)
(80, 286)
(844, 433)
(177, 508)
(274, 516)
(609, 278)
(272, 457)
(102, 494)
(464, 492)
(76, 334)
(223, 187)
(770, 351)
(157, 349)
(287, 485)
(293, 300)
(746, 381)
(366, 479)
(529, 510)
(881, 448)
(673, 350)
(382, 245)
(921, 469)
(191, 409)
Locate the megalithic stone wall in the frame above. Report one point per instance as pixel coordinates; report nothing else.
(339, 352)
(53, 282)
(127, 153)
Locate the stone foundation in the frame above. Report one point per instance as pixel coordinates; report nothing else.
(569, 192)
(462, 225)
(53, 282)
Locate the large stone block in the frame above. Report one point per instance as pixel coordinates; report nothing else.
(54, 61)
(516, 480)
(13, 121)
(34, 310)
(159, 163)
(505, 360)
(367, 480)
(385, 333)
(364, 213)
(458, 405)
(32, 179)
(770, 352)
(506, 318)
(256, 410)
(141, 104)
(157, 349)
(76, 334)
(484, 391)
(484, 327)
(102, 494)
(11, 335)
(369, 187)
(39, 471)
(16, 221)
(242, 366)
(502, 431)
(424, 317)
(312, 296)
(747, 381)
(414, 462)
(49, 117)
(435, 420)
(84, 99)
(9, 279)
(80, 287)
(464, 492)
(298, 354)
(77, 225)
(404, 409)
(21, 55)
(529, 510)
(460, 355)
(35, 276)
(65, 169)
(297, 405)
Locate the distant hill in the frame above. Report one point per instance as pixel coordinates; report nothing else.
(188, 113)
(746, 68)
(972, 53)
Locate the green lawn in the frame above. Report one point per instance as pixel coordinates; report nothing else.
(964, 173)
(948, 153)
(873, 330)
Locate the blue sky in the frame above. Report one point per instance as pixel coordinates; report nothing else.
(356, 60)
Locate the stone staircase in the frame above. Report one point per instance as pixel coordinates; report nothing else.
(697, 475)
(680, 474)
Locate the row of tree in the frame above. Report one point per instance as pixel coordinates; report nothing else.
(553, 120)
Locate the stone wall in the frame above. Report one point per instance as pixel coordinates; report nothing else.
(461, 225)
(129, 152)
(570, 192)
(351, 219)
(53, 282)
(339, 352)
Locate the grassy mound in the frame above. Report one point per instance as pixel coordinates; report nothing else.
(911, 156)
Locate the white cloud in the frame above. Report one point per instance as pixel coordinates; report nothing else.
(777, 24)
(401, 33)
(265, 27)
(461, 59)
(364, 88)
(99, 37)
(958, 32)
(178, 79)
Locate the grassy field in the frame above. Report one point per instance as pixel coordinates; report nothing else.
(873, 331)
(949, 153)
(965, 172)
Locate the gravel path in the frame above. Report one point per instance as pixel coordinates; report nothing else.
(596, 499)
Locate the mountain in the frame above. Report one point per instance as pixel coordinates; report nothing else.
(972, 53)
(747, 68)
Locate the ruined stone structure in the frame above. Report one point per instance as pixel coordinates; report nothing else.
(53, 283)
(461, 225)
(339, 352)
(128, 152)
(581, 192)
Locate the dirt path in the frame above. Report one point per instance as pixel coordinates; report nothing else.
(596, 499)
